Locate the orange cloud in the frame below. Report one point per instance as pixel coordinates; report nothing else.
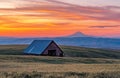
(50, 19)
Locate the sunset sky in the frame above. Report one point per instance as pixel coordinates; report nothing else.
(52, 18)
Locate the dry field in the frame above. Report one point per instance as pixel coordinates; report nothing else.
(57, 67)
(15, 65)
(42, 67)
(44, 70)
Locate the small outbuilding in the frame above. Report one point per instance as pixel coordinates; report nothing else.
(44, 47)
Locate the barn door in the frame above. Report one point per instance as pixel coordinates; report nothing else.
(52, 52)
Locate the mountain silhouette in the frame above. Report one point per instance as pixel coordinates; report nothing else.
(78, 34)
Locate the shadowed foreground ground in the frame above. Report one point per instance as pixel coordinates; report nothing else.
(60, 75)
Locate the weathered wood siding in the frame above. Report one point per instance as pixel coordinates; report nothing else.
(53, 46)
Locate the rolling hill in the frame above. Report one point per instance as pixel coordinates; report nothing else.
(69, 51)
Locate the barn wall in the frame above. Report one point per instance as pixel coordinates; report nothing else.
(53, 46)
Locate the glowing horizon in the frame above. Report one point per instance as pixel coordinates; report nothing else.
(53, 18)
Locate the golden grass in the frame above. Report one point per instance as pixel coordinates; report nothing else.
(42, 67)
(43, 70)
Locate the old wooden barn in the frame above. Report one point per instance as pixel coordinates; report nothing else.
(44, 47)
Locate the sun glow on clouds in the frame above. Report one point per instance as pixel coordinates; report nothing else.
(4, 5)
(20, 18)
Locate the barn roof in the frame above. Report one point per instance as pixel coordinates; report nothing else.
(37, 46)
